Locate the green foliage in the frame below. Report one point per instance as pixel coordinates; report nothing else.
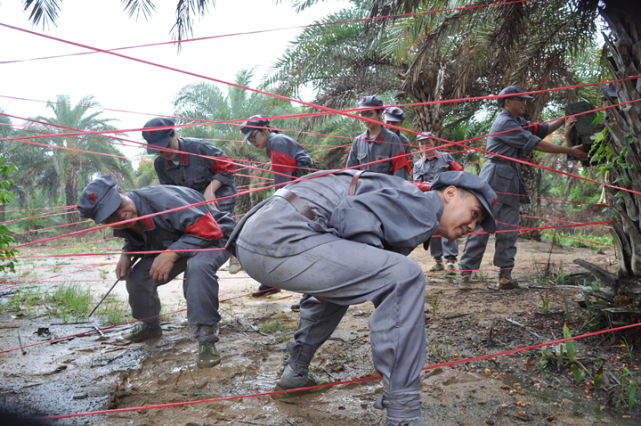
(7, 255)
(570, 240)
(70, 301)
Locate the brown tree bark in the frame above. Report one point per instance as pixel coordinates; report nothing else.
(624, 140)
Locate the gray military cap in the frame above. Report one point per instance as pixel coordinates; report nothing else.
(99, 199)
(516, 91)
(477, 186)
(394, 114)
(370, 101)
(424, 135)
(159, 138)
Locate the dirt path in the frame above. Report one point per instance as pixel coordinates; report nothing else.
(94, 372)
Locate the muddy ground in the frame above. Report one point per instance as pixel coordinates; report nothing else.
(95, 372)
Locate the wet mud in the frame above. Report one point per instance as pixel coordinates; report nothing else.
(96, 372)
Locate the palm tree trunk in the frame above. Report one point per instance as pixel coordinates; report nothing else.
(71, 193)
(624, 130)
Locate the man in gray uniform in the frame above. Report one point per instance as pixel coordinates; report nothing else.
(504, 176)
(344, 240)
(396, 117)
(378, 143)
(427, 169)
(209, 172)
(177, 234)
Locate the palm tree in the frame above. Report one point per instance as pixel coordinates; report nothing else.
(206, 101)
(46, 12)
(62, 173)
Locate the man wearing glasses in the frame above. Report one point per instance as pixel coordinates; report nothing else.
(378, 144)
(504, 176)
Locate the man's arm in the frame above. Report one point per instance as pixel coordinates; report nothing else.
(210, 191)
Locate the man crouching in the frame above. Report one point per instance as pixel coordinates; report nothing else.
(177, 233)
(342, 239)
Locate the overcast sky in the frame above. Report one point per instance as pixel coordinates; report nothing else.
(127, 85)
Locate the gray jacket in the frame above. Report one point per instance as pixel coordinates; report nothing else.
(385, 212)
(197, 172)
(195, 227)
(386, 146)
(503, 175)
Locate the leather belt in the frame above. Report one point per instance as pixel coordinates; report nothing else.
(295, 201)
(502, 161)
(354, 182)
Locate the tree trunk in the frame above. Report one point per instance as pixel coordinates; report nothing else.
(532, 182)
(624, 130)
(71, 194)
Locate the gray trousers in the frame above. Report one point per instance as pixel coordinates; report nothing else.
(200, 289)
(505, 245)
(442, 246)
(342, 273)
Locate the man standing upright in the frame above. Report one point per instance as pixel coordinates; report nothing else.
(504, 176)
(378, 143)
(396, 117)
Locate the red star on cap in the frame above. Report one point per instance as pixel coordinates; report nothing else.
(493, 201)
(151, 133)
(93, 197)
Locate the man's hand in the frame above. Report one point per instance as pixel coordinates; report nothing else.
(578, 153)
(123, 268)
(570, 122)
(161, 268)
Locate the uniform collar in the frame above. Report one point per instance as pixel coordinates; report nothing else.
(148, 222)
(437, 203)
(183, 160)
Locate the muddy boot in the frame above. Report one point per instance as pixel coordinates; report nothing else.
(139, 333)
(208, 356)
(290, 380)
(451, 268)
(296, 306)
(438, 267)
(466, 283)
(505, 281)
(234, 265)
(265, 290)
(403, 410)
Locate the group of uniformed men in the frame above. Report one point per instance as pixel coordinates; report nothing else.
(339, 238)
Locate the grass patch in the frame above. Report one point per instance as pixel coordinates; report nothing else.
(563, 238)
(70, 301)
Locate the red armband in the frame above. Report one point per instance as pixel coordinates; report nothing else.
(222, 165)
(399, 161)
(456, 167)
(282, 162)
(205, 227)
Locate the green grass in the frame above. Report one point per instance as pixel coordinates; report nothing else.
(561, 238)
(70, 301)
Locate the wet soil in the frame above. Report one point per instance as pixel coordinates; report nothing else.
(94, 372)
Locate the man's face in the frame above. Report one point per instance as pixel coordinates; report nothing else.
(258, 138)
(394, 123)
(462, 211)
(127, 210)
(372, 115)
(425, 144)
(515, 106)
(173, 144)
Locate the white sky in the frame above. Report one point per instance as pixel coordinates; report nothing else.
(127, 85)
